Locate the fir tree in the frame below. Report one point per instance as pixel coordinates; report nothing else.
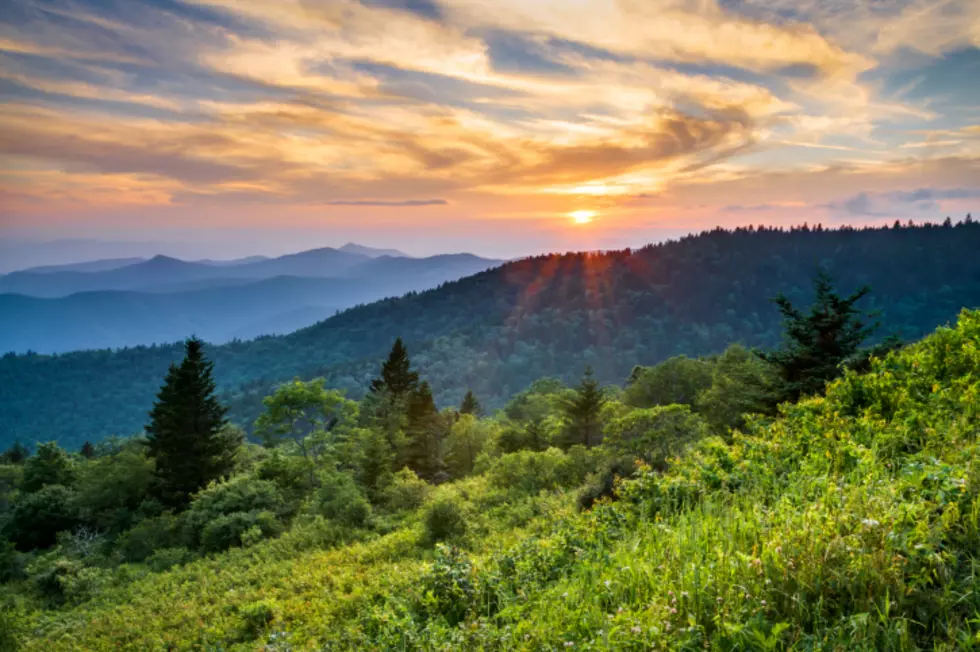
(422, 453)
(818, 343)
(471, 405)
(16, 454)
(397, 377)
(87, 450)
(583, 410)
(185, 434)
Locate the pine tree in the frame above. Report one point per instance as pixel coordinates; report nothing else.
(16, 454)
(422, 453)
(471, 405)
(583, 410)
(87, 450)
(397, 377)
(817, 344)
(185, 434)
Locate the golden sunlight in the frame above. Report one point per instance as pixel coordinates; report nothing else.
(582, 217)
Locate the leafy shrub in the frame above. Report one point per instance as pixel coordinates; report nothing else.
(444, 519)
(149, 535)
(61, 579)
(220, 514)
(655, 434)
(407, 491)
(50, 465)
(232, 530)
(12, 563)
(448, 586)
(166, 558)
(341, 500)
(256, 617)
(37, 518)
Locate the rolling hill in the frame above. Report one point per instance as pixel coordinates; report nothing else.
(499, 330)
(217, 307)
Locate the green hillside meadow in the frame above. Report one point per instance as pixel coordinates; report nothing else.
(846, 522)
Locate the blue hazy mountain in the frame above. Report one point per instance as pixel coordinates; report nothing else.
(164, 299)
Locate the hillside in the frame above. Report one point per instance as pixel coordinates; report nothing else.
(498, 331)
(849, 522)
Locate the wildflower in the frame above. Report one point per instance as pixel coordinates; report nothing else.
(607, 583)
(565, 594)
(636, 630)
(527, 637)
(870, 522)
(569, 644)
(684, 594)
(624, 569)
(620, 610)
(673, 611)
(719, 599)
(762, 602)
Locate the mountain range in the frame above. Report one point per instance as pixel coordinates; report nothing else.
(126, 302)
(498, 330)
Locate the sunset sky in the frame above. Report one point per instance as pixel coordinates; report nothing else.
(502, 127)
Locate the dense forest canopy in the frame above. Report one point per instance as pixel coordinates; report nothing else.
(500, 330)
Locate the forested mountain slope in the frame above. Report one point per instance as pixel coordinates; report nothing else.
(497, 331)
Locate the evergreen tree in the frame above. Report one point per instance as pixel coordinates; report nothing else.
(397, 377)
(185, 434)
(583, 410)
(471, 405)
(16, 454)
(87, 450)
(422, 445)
(50, 465)
(374, 464)
(819, 342)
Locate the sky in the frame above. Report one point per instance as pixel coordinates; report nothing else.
(501, 127)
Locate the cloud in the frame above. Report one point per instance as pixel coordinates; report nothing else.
(393, 204)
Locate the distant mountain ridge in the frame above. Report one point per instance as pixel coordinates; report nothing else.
(164, 299)
(55, 281)
(496, 331)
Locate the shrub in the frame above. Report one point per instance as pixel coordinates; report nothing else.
(449, 588)
(37, 518)
(444, 520)
(230, 530)
(147, 536)
(407, 491)
(166, 558)
(656, 434)
(341, 500)
(256, 617)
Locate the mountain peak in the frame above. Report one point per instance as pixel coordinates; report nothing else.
(354, 248)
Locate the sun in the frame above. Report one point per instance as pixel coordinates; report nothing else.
(582, 217)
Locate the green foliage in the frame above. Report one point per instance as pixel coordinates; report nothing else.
(111, 490)
(655, 435)
(219, 515)
(741, 384)
(397, 377)
(314, 418)
(471, 405)
(818, 343)
(466, 441)
(449, 587)
(139, 543)
(444, 520)
(341, 500)
(184, 436)
(16, 454)
(677, 380)
(256, 617)
(407, 491)
(422, 451)
(37, 518)
(583, 412)
(50, 465)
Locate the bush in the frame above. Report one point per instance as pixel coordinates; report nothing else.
(449, 587)
(147, 536)
(166, 558)
(61, 579)
(220, 514)
(407, 491)
(341, 500)
(12, 563)
(256, 617)
(231, 530)
(655, 434)
(444, 520)
(37, 518)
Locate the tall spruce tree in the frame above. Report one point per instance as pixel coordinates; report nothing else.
(582, 412)
(397, 376)
(470, 405)
(422, 445)
(185, 434)
(820, 341)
